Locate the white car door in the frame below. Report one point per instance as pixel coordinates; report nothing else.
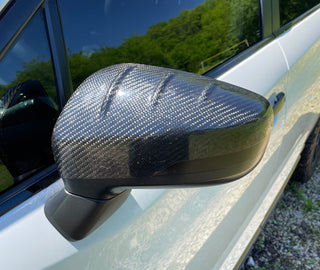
(210, 227)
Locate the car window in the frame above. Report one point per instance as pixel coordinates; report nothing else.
(9, 26)
(189, 35)
(291, 9)
(28, 105)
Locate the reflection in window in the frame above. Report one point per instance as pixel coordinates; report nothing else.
(190, 35)
(291, 9)
(28, 107)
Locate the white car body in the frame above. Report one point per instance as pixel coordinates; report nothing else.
(190, 228)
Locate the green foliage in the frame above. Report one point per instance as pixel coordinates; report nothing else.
(183, 42)
(36, 69)
(195, 41)
(308, 205)
(3, 89)
(291, 9)
(259, 244)
(282, 205)
(298, 192)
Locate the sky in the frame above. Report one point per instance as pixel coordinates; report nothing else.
(31, 44)
(90, 24)
(2, 3)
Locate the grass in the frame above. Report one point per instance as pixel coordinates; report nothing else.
(259, 243)
(297, 192)
(308, 205)
(282, 205)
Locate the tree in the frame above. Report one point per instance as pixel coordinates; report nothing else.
(214, 30)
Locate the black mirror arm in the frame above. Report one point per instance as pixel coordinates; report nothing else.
(130, 126)
(87, 214)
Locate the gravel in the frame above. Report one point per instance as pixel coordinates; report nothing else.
(290, 238)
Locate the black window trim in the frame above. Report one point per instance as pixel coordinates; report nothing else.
(269, 28)
(58, 51)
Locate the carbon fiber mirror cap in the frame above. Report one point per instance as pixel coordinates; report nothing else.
(133, 125)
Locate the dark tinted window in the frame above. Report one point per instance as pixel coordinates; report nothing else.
(291, 9)
(190, 35)
(28, 105)
(20, 10)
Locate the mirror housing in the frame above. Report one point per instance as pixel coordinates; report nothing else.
(133, 125)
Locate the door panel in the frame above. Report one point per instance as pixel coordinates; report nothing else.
(26, 231)
(259, 73)
(195, 228)
(172, 231)
(200, 228)
(297, 40)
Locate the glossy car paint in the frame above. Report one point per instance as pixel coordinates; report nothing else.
(196, 228)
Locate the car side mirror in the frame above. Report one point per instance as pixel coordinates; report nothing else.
(130, 126)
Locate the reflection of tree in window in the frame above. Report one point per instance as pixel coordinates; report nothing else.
(196, 41)
(28, 59)
(28, 105)
(213, 31)
(291, 9)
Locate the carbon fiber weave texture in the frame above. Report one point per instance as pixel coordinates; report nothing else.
(130, 120)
